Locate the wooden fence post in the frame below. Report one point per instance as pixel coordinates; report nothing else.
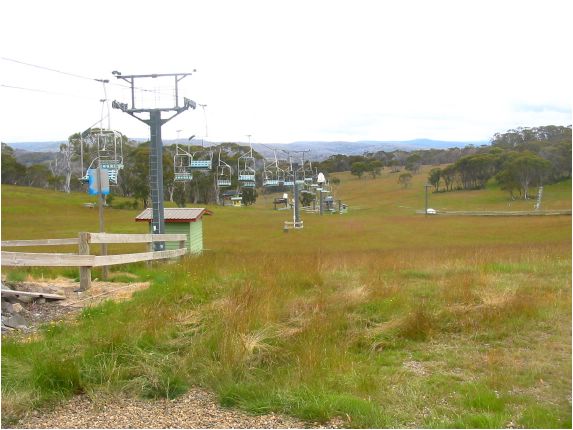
(85, 271)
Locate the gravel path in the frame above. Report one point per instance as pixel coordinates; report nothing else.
(196, 409)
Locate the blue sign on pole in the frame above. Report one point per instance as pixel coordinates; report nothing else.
(92, 182)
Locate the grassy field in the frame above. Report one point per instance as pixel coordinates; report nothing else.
(380, 316)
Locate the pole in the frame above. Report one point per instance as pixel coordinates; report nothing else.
(205, 118)
(426, 199)
(81, 153)
(156, 177)
(320, 205)
(100, 205)
(296, 215)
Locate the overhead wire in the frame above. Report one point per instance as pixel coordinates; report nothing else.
(75, 75)
(39, 90)
(47, 68)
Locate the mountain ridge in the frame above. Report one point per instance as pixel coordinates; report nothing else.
(319, 150)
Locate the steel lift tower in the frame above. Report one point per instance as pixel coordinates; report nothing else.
(155, 121)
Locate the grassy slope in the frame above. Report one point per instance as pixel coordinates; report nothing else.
(380, 316)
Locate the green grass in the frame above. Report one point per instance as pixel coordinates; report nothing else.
(379, 317)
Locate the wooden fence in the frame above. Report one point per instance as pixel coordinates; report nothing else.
(83, 259)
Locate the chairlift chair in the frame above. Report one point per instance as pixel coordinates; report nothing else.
(202, 160)
(287, 172)
(246, 170)
(224, 174)
(182, 165)
(269, 180)
(110, 152)
(273, 175)
(289, 179)
(304, 172)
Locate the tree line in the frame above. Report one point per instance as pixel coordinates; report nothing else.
(517, 160)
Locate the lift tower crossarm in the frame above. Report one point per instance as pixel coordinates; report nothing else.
(132, 112)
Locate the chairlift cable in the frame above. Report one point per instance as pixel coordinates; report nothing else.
(38, 90)
(75, 75)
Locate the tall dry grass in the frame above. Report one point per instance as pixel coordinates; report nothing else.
(380, 317)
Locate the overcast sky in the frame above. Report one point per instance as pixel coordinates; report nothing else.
(284, 71)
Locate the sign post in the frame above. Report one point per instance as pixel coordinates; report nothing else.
(426, 186)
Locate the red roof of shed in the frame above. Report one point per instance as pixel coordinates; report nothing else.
(175, 214)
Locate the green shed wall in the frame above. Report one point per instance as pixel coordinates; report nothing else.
(194, 232)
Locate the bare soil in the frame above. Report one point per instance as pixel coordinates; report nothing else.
(196, 409)
(38, 312)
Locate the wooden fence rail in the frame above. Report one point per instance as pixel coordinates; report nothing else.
(83, 259)
(41, 242)
(97, 238)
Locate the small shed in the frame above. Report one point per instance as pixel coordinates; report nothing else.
(179, 221)
(231, 198)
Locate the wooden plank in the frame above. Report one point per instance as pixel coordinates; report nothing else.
(102, 260)
(16, 293)
(45, 259)
(119, 238)
(169, 237)
(40, 242)
(133, 238)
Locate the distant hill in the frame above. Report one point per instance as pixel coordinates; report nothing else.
(29, 158)
(320, 150)
(49, 146)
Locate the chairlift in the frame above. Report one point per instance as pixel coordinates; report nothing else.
(202, 160)
(289, 180)
(305, 172)
(273, 175)
(109, 145)
(110, 149)
(224, 173)
(288, 173)
(182, 165)
(246, 170)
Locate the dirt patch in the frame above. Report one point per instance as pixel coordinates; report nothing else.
(31, 312)
(196, 409)
(415, 367)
